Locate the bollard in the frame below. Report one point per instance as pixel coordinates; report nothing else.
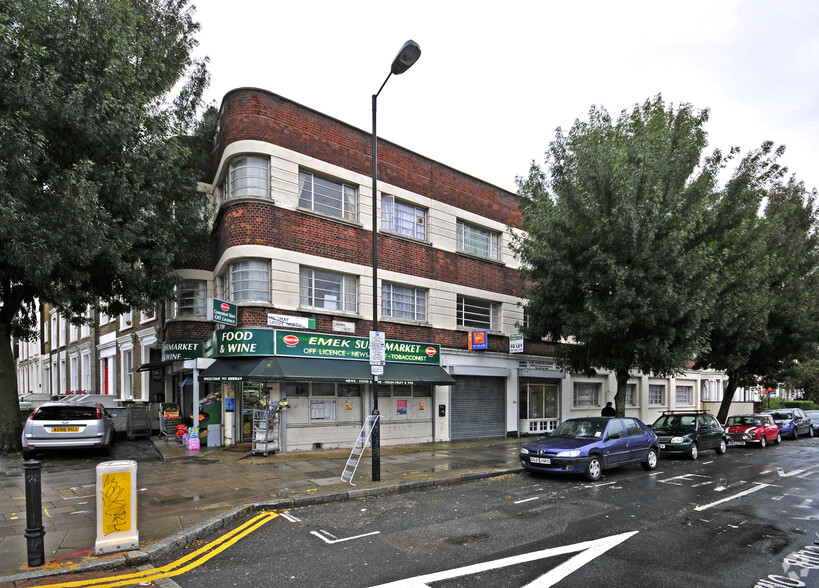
(34, 513)
(116, 507)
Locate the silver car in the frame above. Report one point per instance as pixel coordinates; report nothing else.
(60, 425)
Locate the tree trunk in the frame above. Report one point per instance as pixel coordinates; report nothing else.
(620, 397)
(728, 394)
(10, 424)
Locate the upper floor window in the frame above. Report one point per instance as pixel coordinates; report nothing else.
(191, 299)
(402, 302)
(126, 320)
(403, 218)
(327, 196)
(248, 176)
(478, 314)
(147, 315)
(249, 279)
(477, 241)
(327, 290)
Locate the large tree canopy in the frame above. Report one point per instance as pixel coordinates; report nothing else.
(621, 248)
(99, 102)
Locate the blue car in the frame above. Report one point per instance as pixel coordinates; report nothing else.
(792, 422)
(591, 445)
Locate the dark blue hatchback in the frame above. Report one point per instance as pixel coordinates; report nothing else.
(591, 445)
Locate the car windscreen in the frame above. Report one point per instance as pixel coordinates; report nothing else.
(66, 413)
(782, 416)
(592, 429)
(675, 422)
(737, 421)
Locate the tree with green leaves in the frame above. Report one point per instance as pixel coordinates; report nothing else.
(619, 249)
(100, 106)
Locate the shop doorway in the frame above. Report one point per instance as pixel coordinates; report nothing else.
(478, 408)
(538, 406)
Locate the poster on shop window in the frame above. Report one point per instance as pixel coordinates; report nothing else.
(402, 406)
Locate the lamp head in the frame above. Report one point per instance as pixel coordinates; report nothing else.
(408, 55)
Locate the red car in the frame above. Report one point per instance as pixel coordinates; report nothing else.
(752, 428)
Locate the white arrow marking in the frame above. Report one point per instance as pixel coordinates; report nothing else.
(795, 472)
(586, 551)
(334, 540)
(727, 498)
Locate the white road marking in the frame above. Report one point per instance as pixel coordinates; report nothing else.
(782, 473)
(686, 477)
(727, 498)
(322, 533)
(722, 487)
(526, 500)
(289, 517)
(586, 552)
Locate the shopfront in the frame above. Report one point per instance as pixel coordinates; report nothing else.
(326, 379)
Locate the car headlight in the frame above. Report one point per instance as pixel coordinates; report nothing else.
(572, 453)
(751, 432)
(524, 451)
(677, 440)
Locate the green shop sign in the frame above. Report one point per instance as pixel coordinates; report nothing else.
(181, 349)
(228, 342)
(327, 346)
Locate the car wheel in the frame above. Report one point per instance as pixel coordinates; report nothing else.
(763, 441)
(778, 439)
(651, 459)
(105, 450)
(795, 433)
(694, 452)
(810, 431)
(722, 447)
(594, 469)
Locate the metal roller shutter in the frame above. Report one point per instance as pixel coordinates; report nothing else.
(478, 408)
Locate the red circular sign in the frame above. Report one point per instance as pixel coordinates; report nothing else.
(290, 340)
(430, 351)
(224, 306)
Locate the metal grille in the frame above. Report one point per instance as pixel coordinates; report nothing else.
(478, 408)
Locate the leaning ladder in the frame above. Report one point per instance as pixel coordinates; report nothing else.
(358, 448)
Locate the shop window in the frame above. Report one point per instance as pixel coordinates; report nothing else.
(586, 394)
(323, 402)
(327, 290)
(327, 196)
(248, 176)
(478, 314)
(478, 241)
(404, 402)
(537, 400)
(403, 302)
(403, 218)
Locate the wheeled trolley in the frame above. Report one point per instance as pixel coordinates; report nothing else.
(265, 431)
(169, 419)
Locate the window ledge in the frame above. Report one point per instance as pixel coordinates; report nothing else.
(329, 217)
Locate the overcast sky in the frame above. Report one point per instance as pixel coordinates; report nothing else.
(496, 79)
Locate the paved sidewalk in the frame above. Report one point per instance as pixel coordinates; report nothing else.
(188, 495)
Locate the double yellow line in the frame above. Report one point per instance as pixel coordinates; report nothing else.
(181, 565)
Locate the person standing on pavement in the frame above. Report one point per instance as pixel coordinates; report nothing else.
(608, 410)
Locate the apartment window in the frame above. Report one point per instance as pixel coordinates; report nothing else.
(327, 196)
(327, 290)
(656, 394)
(191, 299)
(86, 370)
(586, 394)
(85, 328)
(685, 395)
(126, 320)
(478, 314)
(403, 218)
(402, 302)
(249, 279)
(248, 176)
(75, 372)
(631, 394)
(127, 359)
(477, 241)
(146, 316)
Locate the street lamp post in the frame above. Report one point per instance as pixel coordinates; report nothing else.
(408, 55)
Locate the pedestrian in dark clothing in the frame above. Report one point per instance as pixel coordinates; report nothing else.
(608, 410)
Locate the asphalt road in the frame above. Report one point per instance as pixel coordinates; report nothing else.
(139, 450)
(731, 520)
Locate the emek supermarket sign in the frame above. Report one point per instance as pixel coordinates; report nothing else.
(238, 342)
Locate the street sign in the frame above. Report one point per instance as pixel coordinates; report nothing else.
(377, 370)
(378, 348)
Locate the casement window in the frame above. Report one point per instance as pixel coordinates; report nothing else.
(402, 302)
(146, 316)
(248, 175)
(191, 299)
(328, 290)
(631, 394)
(478, 314)
(656, 394)
(403, 218)
(126, 320)
(586, 394)
(328, 196)
(478, 241)
(249, 279)
(684, 395)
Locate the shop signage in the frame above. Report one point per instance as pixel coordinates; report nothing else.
(331, 346)
(342, 327)
(290, 322)
(222, 312)
(230, 342)
(179, 349)
(477, 340)
(515, 343)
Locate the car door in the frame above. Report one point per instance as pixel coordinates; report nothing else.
(638, 440)
(617, 450)
(800, 421)
(709, 435)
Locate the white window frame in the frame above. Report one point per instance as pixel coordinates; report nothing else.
(73, 333)
(403, 302)
(478, 241)
(403, 218)
(74, 369)
(198, 307)
(63, 374)
(314, 293)
(247, 176)
(146, 316)
(586, 394)
(652, 390)
(126, 320)
(469, 313)
(85, 328)
(324, 200)
(241, 275)
(85, 361)
(684, 395)
(631, 394)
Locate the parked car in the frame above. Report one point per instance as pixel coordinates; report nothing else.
(752, 428)
(62, 425)
(792, 422)
(813, 415)
(591, 445)
(689, 432)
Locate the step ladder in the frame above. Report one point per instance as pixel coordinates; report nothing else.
(358, 449)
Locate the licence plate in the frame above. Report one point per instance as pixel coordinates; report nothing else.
(65, 429)
(662, 445)
(541, 460)
(736, 442)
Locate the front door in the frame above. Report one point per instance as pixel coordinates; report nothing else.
(251, 400)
